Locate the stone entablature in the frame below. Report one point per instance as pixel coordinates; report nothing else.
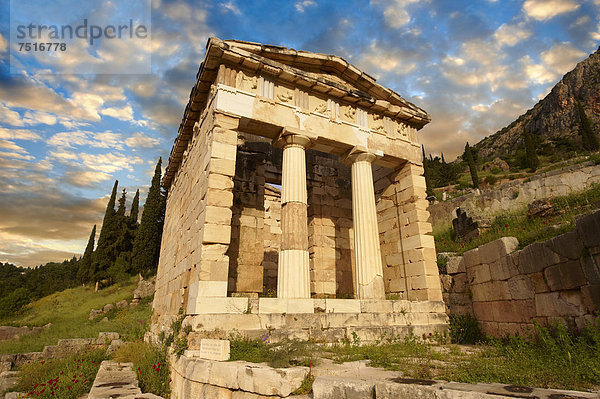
(312, 83)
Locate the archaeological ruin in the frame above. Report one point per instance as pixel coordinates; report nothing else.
(296, 203)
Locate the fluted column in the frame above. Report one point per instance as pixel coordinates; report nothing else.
(293, 273)
(367, 252)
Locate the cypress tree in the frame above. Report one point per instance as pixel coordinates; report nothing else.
(104, 256)
(589, 139)
(531, 157)
(85, 263)
(472, 167)
(135, 208)
(146, 246)
(121, 208)
(426, 174)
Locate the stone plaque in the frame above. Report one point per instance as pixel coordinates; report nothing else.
(212, 349)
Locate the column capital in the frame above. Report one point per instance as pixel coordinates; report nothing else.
(293, 137)
(360, 154)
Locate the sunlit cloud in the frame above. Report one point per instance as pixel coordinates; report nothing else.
(546, 9)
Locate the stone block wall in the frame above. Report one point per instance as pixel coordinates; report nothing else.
(331, 239)
(271, 236)
(508, 289)
(407, 249)
(197, 231)
(518, 193)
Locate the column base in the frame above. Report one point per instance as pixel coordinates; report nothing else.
(293, 274)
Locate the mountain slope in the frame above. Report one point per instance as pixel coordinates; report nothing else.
(555, 121)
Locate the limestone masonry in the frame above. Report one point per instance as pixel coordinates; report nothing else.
(297, 178)
(506, 290)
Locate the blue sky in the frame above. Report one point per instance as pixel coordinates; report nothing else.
(64, 137)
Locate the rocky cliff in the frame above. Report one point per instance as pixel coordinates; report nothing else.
(556, 120)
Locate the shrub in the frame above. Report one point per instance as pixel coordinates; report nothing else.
(464, 329)
(150, 365)
(14, 302)
(66, 378)
(490, 180)
(442, 262)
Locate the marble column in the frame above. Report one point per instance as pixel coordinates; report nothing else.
(367, 252)
(293, 273)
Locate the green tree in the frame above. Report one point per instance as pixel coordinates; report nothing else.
(589, 140)
(468, 156)
(105, 254)
(135, 208)
(85, 263)
(146, 246)
(426, 173)
(531, 157)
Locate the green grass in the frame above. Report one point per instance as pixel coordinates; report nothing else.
(65, 378)
(282, 354)
(68, 312)
(551, 358)
(526, 230)
(150, 365)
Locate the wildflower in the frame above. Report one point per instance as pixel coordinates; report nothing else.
(506, 225)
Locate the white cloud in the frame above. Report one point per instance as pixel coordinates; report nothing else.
(543, 10)
(376, 59)
(15, 155)
(18, 134)
(141, 140)
(537, 73)
(510, 35)
(9, 145)
(562, 57)
(109, 162)
(396, 12)
(231, 7)
(89, 103)
(3, 44)
(302, 5)
(121, 113)
(86, 178)
(62, 155)
(10, 117)
(39, 118)
(85, 138)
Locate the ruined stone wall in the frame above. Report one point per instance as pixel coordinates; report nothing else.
(407, 249)
(518, 193)
(559, 278)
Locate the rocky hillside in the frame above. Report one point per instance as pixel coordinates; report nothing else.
(555, 121)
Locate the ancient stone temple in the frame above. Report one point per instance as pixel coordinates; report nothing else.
(296, 202)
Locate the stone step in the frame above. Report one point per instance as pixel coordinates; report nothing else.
(328, 387)
(117, 380)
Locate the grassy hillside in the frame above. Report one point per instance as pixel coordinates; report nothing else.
(68, 312)
(526, 230)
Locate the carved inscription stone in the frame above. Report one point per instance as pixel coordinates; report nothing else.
(212, 349)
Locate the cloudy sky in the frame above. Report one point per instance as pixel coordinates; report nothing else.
(66, 136)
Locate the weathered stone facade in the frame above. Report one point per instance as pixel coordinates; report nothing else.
(506, 289)
(294, 174)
